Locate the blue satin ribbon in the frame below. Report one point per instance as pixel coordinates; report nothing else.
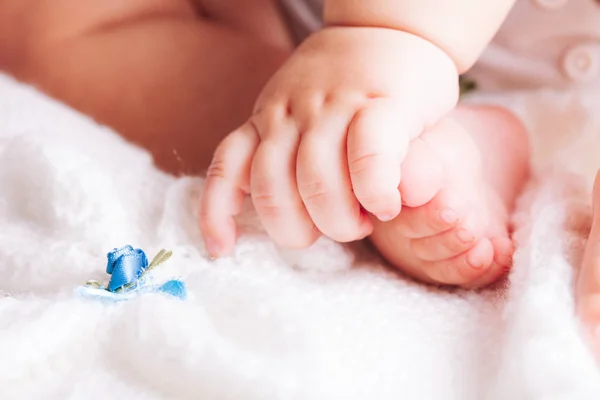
(130, 277)
(125, 265)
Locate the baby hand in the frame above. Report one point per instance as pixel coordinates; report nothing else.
(327, 138)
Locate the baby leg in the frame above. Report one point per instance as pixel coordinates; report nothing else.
(588, 284)
(460, 180)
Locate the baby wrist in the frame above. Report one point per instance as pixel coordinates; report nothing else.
(460, 28)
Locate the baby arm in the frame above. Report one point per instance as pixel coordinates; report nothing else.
(461, 28)
(332, 127)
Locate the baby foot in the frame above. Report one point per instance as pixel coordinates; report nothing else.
(588, 284)
(329, 132)
(460, 180)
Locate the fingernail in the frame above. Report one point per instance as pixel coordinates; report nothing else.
(464, 235)
(449, 216)
(212, 247)
(385, 217)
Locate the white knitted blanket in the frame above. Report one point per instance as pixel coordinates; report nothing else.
(326, 323)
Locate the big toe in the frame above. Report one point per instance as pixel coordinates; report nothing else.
(465, 268)
(503, 251)
(422, 174)
(435, 217)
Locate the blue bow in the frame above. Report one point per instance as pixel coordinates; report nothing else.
(125, 266)
(128, 268)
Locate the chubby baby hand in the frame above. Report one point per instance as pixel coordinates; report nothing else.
(327, 138)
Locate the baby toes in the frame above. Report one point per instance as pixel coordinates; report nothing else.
(503, 251)
(464, 268)
(429, 220)
(444, 245)
(423, 174)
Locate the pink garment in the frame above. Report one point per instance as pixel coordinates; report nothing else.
(543, 43)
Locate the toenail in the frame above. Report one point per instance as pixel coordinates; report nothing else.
(464, 235)
(474, 260)
(449, 216)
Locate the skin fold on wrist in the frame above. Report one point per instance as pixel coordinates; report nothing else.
(461, 28)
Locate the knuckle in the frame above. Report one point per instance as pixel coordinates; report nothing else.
(265, 200)
(314, 193)
(268, 122)
(267, 209)
(217, 168)
(329, 98)
(363, 163)
(361, 121)
(316, 100)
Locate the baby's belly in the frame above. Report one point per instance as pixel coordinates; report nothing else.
(544, 43)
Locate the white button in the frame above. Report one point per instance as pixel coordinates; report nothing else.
(550, 5)
(582, 63)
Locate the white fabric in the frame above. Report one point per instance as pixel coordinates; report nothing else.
(327, 323)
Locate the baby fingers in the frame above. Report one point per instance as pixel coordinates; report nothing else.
(324, 182)
(378, 139)
(273, 184)
(227, 182)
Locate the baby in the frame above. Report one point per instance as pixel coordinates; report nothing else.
(358, 135)
(355, 133)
